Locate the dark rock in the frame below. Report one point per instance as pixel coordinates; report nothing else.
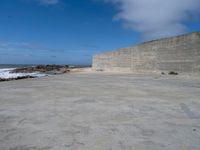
(173, 73)
(52, 69)
(17, 78)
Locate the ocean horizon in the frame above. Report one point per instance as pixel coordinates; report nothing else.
(4, 66)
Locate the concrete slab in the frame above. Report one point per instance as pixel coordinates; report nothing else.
(100, 111)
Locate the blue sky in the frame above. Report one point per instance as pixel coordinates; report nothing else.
(72, 31)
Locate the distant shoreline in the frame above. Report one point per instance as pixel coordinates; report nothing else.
(12, 72)
(3, 66)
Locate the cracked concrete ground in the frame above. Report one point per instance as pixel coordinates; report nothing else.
(100, 111)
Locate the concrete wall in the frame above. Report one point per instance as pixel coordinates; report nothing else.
(180, 54)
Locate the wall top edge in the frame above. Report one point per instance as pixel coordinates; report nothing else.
(196, 33)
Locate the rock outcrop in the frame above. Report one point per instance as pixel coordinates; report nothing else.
(49, 69)
(17, 78)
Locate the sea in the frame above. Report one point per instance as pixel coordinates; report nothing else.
(6, 69)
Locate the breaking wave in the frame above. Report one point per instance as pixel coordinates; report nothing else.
(6, 74)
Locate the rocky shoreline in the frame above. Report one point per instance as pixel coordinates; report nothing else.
(49, 69)
(45, 69)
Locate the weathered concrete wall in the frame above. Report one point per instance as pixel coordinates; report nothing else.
(180, 54)
(113, 61)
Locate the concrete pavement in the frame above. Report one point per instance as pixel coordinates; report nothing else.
(100, 111)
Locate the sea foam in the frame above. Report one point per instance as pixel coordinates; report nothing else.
(6, 74)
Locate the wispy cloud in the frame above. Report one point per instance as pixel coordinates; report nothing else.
(18, 46)
(27, 46)
(90, 46)
(47, 2)
(156, 18)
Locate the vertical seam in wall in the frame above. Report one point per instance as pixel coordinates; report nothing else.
(131, 65)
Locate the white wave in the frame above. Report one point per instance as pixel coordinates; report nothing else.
(6, 73)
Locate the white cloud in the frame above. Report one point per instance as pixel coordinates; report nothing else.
(156, 18)
(47, 2)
